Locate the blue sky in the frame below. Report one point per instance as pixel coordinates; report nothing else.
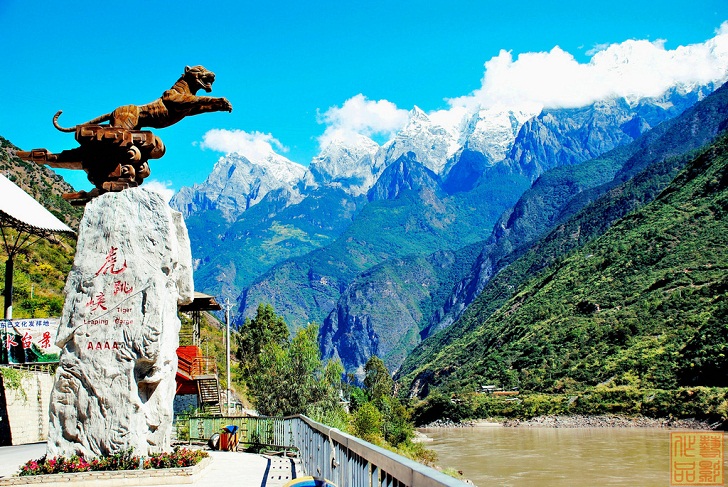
(284, 65)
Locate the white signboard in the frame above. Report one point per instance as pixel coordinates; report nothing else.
(28, 341)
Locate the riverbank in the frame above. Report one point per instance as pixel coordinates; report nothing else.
(579, 421)
(608, 421)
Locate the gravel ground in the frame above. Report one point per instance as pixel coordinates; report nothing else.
(576, 421)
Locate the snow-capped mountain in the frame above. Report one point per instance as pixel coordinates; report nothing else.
(431, 143)
(492, 131)
(346, 164)
(237, 182)
(439, 184)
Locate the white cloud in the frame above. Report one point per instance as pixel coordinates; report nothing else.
(162, 187)
(597, 48)
(631, 69)
(361, 116)
(253, 145)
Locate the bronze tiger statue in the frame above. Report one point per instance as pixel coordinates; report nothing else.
(176, 103)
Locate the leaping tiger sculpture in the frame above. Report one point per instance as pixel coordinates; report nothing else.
(115, 155)
(175, 104)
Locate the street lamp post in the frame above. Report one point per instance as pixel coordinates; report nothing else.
(227, 349)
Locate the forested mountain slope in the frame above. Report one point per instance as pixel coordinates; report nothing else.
(563, 191)
(644, 304)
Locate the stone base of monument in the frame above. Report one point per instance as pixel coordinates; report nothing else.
(119, 332)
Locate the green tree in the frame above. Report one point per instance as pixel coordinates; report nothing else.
(377, 379)
(256, 334)
(392, 420)
(292, 379)
(396, 425)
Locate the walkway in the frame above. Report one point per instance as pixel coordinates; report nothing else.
(227, 468)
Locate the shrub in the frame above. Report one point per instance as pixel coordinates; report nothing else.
(367, 423)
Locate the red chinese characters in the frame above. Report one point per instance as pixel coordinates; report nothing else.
(9, 342)
(27, 340)
(122, 287)
(96, 302)
(99, 302)
(110, 265)
(45, 342)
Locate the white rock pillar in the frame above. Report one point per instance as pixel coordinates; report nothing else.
(119, 332)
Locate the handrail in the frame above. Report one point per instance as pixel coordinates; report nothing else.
(328, 452)
(197, 366)
(49, 367)
(203, 366)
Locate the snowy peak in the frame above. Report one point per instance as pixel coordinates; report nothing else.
(492, 131)
(237, 182)
(417, 114)
(431, 143)
(344, 163)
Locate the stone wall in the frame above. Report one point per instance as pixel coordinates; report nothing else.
(25, 411)
(183, 402)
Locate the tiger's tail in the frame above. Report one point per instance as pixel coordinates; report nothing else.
(102, 118)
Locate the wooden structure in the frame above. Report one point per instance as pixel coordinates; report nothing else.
(197, 374)
(202, 302)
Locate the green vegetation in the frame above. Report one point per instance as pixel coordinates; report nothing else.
(379, 417)
(577, 204)
(641, 307)
(39, 276)
(285, 377)
(12, 379)
(265, 234)
(416, 223)
(265, 328)
(704, 403)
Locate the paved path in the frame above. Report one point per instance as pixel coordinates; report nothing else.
(12, 457)
(227, 468)
(232, 468)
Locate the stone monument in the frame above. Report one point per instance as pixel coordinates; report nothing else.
(119, 331)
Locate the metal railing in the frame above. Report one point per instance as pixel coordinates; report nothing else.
(326, 452)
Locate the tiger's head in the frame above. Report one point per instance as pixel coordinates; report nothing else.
(198, 77)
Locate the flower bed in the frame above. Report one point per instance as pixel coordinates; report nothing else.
(180, 457)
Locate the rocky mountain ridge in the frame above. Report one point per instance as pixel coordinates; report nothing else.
(446, 185)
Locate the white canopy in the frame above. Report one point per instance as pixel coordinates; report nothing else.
(24, 212)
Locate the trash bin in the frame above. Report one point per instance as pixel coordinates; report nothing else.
(229, 438)
(214, 441)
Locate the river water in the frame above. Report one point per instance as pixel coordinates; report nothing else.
(519, 457)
